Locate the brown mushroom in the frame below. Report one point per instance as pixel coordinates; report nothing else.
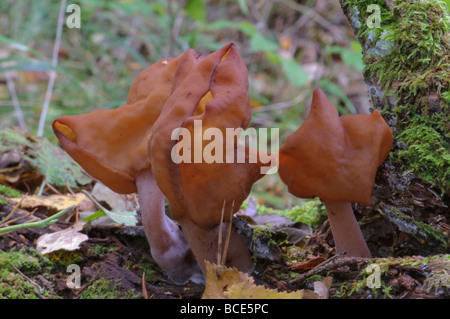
(111, 145)
(336, 159)
(198, 190)
(129, 149)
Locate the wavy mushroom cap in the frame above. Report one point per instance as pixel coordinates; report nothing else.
(111, 145)
(334, 158)
(197, 191)
(115, 145)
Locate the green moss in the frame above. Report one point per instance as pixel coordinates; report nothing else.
(421, 232)
(409, 57)
(152, 272)
(414, 36)
(9, 192)
(359, 286)
(263, 232)
(265, 243)
(439, 277)
(437, 267)
(101, 289)
(13, 285)
(24, 259)
(419, 55)
(107, 289)
(426, 152)
(446, 96)
(312, 212)
(358, 12)
(263, 236)
(65, 258)
(100, 251)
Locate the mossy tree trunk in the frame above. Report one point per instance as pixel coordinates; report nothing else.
(407, 73)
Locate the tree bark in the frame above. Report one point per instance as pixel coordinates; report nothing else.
(407, 74)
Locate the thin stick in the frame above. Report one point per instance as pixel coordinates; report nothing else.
(68, 187)
(4, 220)
(144, 288)
(333, 262)
(40, 189)
(30, 214)
(227, 240)
(77, 213)
(41, 290)
(219, 241)
(52, 188)
(53, 73)
(10, 169)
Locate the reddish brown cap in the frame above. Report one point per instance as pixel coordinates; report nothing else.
(334, 158)
(111, 145)
(197, 191)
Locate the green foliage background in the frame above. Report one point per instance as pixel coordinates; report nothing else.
(118, 39)
(289, 47)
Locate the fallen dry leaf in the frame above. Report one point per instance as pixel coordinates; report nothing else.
(52, 202)
(229, 283)
(246, 290)
(67, 239)
(321, 288)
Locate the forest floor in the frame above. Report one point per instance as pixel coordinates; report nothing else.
(115, 262)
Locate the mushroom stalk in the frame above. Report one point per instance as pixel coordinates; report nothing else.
(347, 235)
(168, 246)
(204, 245)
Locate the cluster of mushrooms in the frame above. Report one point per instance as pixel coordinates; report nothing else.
(129, 150)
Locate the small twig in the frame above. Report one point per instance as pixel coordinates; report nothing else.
(331, 263)
(28, 187)
(4, 220)
(10, 169)
(227, 239)
(31, 281)
(53, 73)
(144, 288)
(12, 221)
(219, 240)
(136, 202)
(46, 284)
(40, 224)
(77, 214)
(390, 4)
(68, 187)
(41, 187)
(52, 188)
